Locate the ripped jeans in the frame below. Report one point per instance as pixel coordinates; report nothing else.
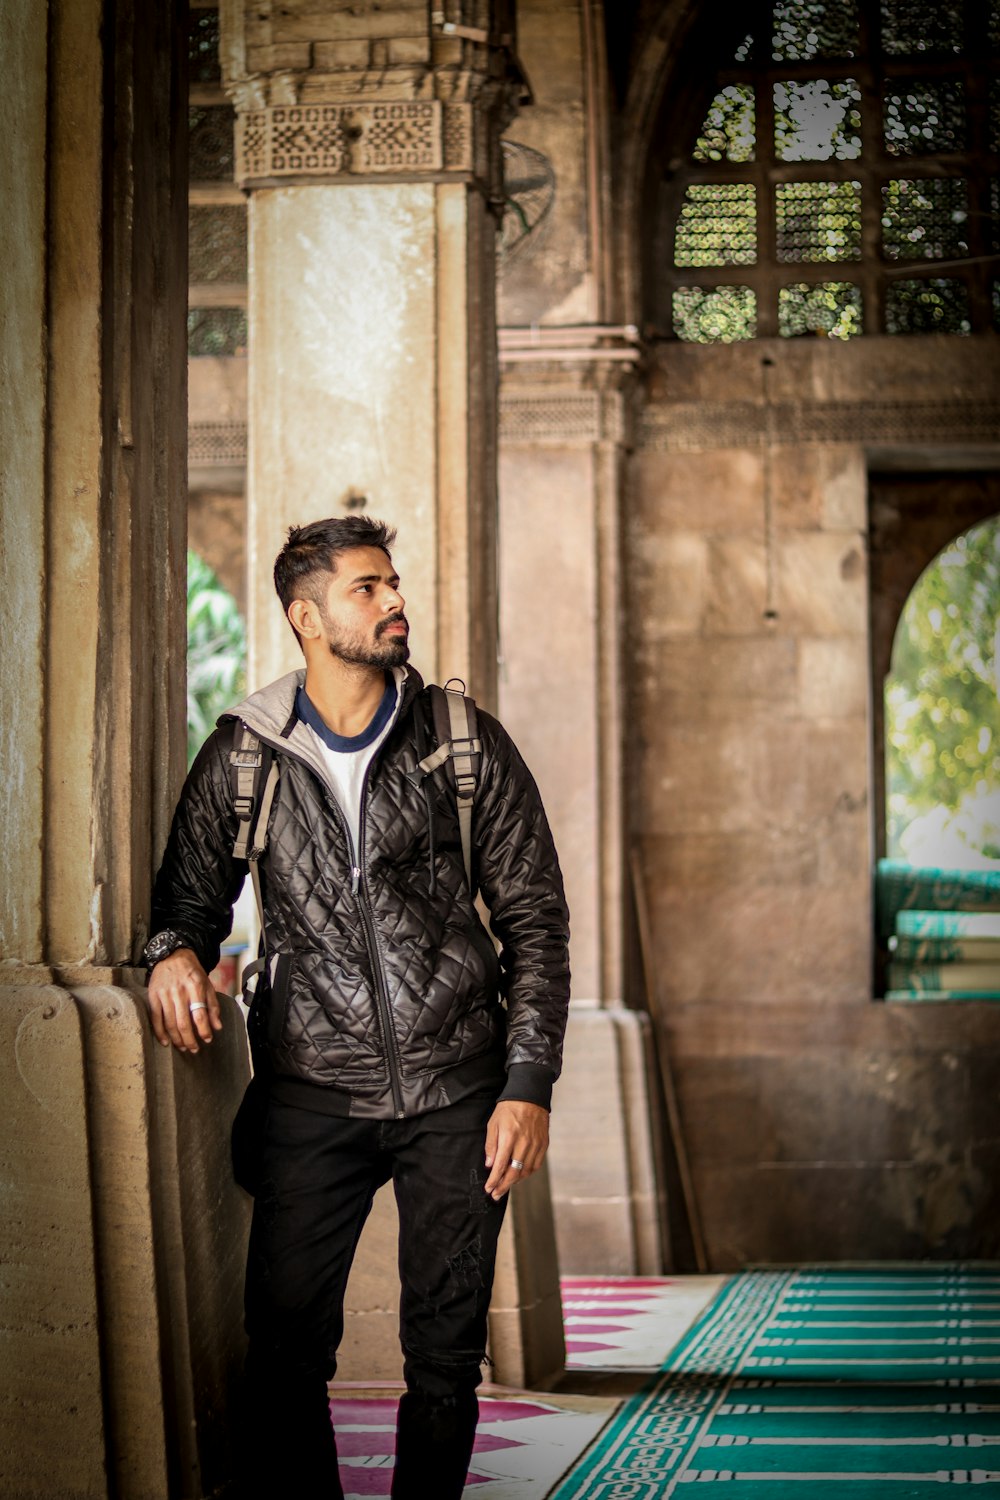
(318, 1177)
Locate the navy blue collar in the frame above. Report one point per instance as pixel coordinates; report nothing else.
(346, 744)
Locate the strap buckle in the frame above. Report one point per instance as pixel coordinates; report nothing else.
(244, 807)
(466, 747)
(247, 760)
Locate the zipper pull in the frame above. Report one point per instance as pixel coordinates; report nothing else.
(355, 879)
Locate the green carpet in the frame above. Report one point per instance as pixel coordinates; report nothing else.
(879, 1381)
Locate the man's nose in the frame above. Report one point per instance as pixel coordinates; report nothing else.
(393, 600)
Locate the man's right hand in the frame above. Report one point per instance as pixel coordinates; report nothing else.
(176, 984)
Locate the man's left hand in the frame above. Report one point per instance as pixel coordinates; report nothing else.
(517, 1132)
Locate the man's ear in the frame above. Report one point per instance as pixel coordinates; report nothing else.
(303, 616)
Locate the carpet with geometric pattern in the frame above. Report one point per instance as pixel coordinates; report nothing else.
(824, 1383)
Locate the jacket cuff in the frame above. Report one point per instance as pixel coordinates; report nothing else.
(529, 1082)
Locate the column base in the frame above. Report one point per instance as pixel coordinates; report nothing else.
(124, 1245)
(609, 1205)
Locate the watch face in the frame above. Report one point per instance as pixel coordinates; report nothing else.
(159, 947)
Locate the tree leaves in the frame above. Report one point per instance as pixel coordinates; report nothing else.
(217, 652)
(942, 714)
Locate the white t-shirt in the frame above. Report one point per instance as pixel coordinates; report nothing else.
(347, 759)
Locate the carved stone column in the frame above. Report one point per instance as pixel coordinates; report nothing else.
(368, 142)
(121, 1240)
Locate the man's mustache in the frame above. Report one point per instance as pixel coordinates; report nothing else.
(383, 625)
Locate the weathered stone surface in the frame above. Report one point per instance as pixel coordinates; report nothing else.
(370, 1349)
(737, 586)
(556, 282)
(766, 943)
(526, 1327)
(818, 487)
(548, 593)
(52, 1432)
(22, 480)
(863, 1130)
(672, 579)
(337, 412)
(718, 491)
(120, 1106)
(822, 584)
(204, 1223)
(608, 1210)
(712, 677)
(834, 679)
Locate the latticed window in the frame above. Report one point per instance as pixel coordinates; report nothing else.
(217, 216)
(840, 176)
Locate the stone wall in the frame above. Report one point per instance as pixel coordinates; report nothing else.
(820, 1123)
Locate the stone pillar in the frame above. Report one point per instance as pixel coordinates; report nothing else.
(122, 1242)
(567, 368)
(368, 142)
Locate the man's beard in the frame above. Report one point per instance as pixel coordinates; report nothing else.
(359, 652)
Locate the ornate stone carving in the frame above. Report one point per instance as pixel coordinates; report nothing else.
(335, 140)
(458, 136)
(570, 417)
(736, 424)
(398, 137)
(217, 444)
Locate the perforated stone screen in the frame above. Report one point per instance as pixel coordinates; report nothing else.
(210, 143)
(836, 174)
(217, 215)
(217, 243)
(217, 330)
(203, 45)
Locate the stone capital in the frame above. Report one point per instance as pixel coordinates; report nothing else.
(370, 94)
(572, 386)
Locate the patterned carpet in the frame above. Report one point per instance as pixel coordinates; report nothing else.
(878, 1381)
(523, 1444)
(629, 1322)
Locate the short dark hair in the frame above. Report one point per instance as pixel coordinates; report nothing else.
(311, 551)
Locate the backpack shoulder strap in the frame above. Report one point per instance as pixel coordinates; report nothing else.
(456, 727)
(253, 774)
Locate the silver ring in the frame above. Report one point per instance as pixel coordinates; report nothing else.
(198, 1005)
(518, 1166)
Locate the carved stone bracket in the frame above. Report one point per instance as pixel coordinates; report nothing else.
(353, 139)
(705, 425)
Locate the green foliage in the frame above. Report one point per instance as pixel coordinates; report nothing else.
(942, 715)
(217, 652)
(728, 132)
(719, 315)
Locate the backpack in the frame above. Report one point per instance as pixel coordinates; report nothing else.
(253, 772)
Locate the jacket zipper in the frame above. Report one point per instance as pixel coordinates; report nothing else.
(359, 892)
(359, 888)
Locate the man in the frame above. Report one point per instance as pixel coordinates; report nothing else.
(390, 1041)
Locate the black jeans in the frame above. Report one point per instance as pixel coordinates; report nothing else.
(318, 1177)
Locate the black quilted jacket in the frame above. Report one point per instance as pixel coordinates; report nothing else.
(389, 994)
